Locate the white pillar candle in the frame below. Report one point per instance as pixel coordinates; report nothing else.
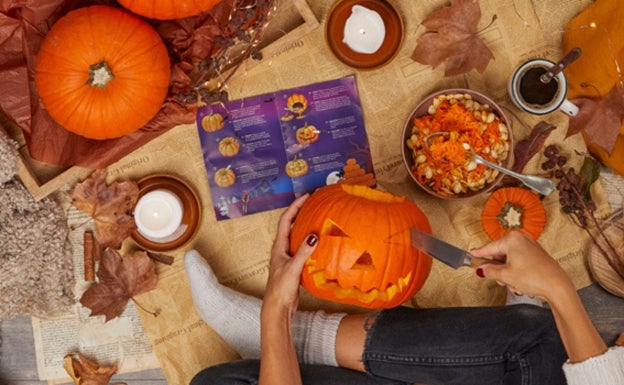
(158, 214)
(364, 30)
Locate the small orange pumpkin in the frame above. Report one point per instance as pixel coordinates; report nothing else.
(513, 208)
(212, 122)
(224, 177)
(229, 146)
(168, 9)
(102, 72)
(364, 255)
(296, 168)
(307, 134)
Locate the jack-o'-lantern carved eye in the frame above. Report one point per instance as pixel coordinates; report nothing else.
(364, 254)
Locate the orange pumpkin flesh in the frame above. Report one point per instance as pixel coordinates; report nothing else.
(513, 208)
(364, 255)
(102, 73)
(168, 9)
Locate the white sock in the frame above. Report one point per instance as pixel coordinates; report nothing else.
(236, 317)
(233, 315)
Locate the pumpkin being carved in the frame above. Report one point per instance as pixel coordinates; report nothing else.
(364, 255)
(168, 9)
(307, 134)
(102, 72)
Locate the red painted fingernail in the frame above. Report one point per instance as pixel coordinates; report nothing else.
(311, 240)
(480, 273)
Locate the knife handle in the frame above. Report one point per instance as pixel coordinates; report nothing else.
(475, 262)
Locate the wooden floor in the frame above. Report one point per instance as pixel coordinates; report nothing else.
(18, 367)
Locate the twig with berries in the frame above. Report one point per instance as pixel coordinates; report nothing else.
(576, 200)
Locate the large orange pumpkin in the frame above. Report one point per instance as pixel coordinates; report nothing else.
(102, 72)
(364, 255)
(168, 9)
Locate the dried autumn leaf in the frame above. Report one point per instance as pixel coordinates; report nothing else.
(108, 205)
(525, 149)
(86, 372)
(452, 39)
(601, 120)
(119, 279)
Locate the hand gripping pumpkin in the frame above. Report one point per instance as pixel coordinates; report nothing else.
(364, 255)
(168, 9)
(102, 72)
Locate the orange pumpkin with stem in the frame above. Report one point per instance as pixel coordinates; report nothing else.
(513, 208)
(102, 72)
(364, 255)
(168, 9)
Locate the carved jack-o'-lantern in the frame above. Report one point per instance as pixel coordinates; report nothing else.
(364, 255)
(296, 168)
(307, 134)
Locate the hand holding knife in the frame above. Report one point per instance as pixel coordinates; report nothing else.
(445, 252)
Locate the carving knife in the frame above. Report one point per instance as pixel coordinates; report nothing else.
(444, 252)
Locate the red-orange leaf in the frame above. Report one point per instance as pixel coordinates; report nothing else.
(109, 205)
(452, 39)
(119, 279)
(601, 120)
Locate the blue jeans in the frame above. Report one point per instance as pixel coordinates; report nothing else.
(506, 345)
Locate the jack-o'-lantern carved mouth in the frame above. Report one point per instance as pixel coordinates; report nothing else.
(324, 275)
(321, 282)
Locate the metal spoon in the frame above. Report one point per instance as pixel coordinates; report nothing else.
(542, 185)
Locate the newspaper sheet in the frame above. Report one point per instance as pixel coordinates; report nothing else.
(122, 340)
(238, 250)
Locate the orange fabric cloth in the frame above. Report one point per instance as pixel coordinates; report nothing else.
(598, 31)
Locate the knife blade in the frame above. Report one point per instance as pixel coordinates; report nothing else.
(444, 252)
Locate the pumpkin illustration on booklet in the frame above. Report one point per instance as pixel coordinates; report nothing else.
(296, 168)
(102, 72)
(307, 134)
(364, 255)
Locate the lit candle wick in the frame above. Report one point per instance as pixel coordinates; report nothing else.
(364, 30)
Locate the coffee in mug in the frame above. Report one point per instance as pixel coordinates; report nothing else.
(531, 94)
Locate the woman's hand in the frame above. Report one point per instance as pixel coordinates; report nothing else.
(278, 363)
(527, 267)
(282, 289)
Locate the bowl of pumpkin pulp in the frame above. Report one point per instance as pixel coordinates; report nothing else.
(441, 135)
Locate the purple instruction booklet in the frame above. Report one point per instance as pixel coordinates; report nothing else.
(262, 152)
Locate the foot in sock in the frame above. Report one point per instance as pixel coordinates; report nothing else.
(233, 315)
(236, 317)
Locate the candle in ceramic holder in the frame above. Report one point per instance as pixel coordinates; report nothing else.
(364, 30)
(158, 214)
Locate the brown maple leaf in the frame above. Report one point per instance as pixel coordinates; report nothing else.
(109, 205)
(452, 39)
(525, 149)
(86, 372)
(600, 119)
(119, 279)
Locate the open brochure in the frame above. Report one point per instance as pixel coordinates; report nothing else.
(262, 152)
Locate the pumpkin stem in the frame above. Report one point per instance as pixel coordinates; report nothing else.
(100, 74)
(510, 216)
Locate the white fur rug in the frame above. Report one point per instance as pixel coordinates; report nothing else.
(36, 269)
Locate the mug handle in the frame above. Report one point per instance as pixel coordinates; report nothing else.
(569, 108)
